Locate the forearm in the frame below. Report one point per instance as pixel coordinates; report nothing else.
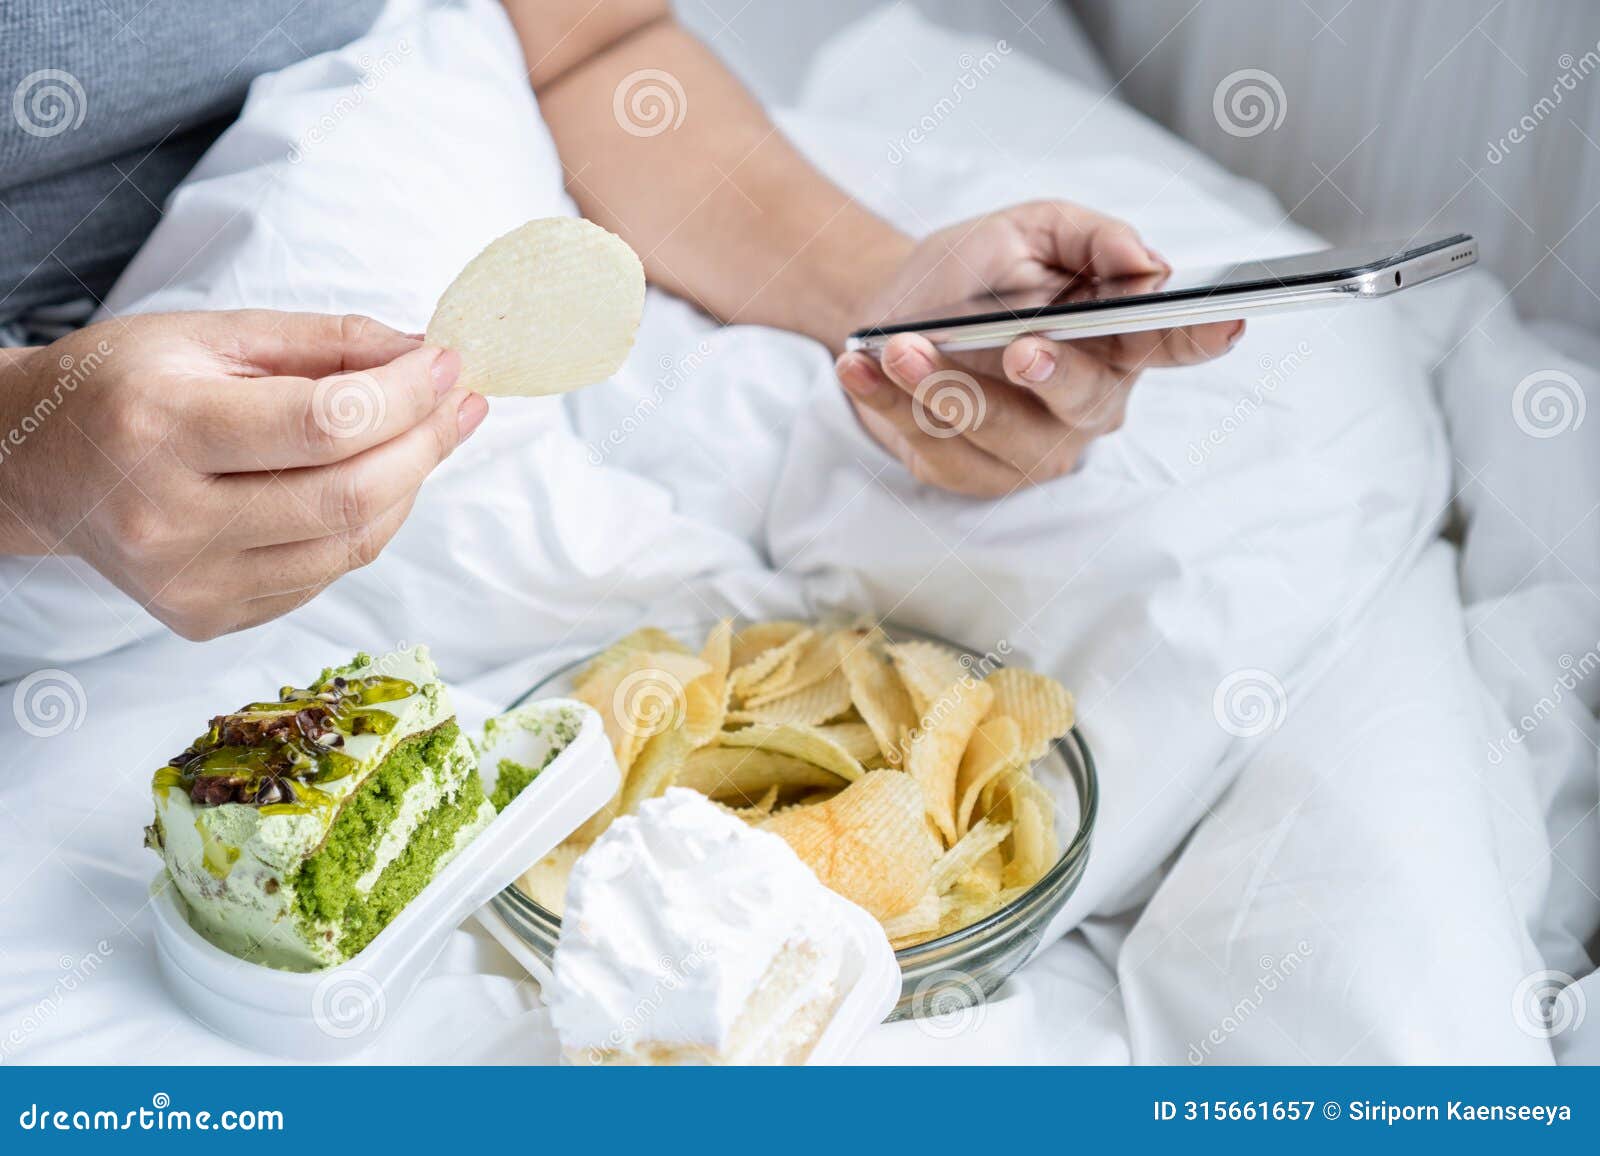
(722, 209)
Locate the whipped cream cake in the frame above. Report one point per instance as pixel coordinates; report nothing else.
(690, 937)
(296, 829)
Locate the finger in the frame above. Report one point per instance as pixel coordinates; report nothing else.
(1003, 420)
(1189, 345)
(269, 342)
(1064, 236)
(295, 567)
(1086, 394)
(241, 425)
(304, 504)
(942, 458)
(255, 611)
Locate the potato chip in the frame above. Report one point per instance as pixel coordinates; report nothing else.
(706, 698)
(769, 669)
(641, 696)
(868, 843)
(996, 747)
(546, 881)
(965, 855)
(855, 738)
(548, 307)
(934, 758)
(624, 648)
(927, 669)
(916, 921)
(878, 693)
(1042, 707)
(809, 706)
(985, 877)
(818, 660)
(1033, 841)
(742, 774)
(656, 767)
(807, 743)
(760, 637)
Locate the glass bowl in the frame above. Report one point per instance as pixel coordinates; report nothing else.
(943, 975)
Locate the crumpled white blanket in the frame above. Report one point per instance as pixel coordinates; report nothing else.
(1316, 839)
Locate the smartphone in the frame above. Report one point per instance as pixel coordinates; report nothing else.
(1096, 307)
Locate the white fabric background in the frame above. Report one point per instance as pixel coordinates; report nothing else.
(1369, 828)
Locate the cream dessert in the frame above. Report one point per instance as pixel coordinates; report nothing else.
(296, 829)
(691, 938)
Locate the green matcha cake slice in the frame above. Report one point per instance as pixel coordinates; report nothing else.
(297, 829)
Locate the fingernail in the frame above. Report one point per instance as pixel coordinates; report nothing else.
(444, 371)
(471, 414)
(1158, 259)
(1235, 333)
(417, 336)
(1040, 368)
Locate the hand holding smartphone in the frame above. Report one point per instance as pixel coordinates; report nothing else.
(1097, 307)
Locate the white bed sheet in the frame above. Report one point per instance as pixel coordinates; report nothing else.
(722, 471)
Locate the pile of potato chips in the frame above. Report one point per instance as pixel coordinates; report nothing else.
(899, 771)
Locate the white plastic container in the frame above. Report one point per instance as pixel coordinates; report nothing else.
(871, 979)
(340, 1011)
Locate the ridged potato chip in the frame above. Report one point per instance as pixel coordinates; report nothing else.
(706, 698)
(1033, 839)
(743, 774)
(548, 307)
(855, 738)
(759, 637)
(878, 692)
(641, 696)
(1042, 707)
(986, 876)
(868, 842)
(806, 743)
(967, 854)
(809, 706)
(927, 669)
(624, 648)
(769, 669)
(656, 767)
(817, 661)
(916, 922)
(996, 747)
(934, 759)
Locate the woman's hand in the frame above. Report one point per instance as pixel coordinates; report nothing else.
(988, 422)
(222, 468)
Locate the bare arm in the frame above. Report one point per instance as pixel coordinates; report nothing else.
(721, 207)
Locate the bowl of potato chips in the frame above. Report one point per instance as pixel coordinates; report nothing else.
(946, 793)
